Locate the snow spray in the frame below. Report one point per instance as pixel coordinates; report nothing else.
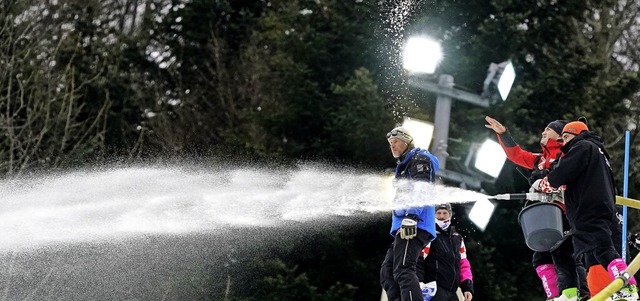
(394, 18)
(121, 202)
(171, 233)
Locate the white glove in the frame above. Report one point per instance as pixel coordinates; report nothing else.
(408, 229)
(428, 290)
(535, 187)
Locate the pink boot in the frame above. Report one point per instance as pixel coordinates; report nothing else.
(547, 274)
(616, 267)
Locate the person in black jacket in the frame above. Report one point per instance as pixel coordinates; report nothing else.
(412, 221)
(444, 261)
(590, 200)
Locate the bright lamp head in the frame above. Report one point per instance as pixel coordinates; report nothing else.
(506, 80)
(421, 55)
(490, 158)
(481, 212)
(422, 132)
(501, 77)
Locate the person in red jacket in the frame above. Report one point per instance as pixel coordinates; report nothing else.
(562, 275)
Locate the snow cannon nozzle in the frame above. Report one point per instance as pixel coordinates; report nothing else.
(532, 196)
(504, 196)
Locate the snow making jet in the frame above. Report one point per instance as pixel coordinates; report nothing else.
(531, 196)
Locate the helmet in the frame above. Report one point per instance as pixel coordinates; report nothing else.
(400, 133)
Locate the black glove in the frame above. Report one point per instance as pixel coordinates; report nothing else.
(466, 286)
(537, 174)
(413, 217)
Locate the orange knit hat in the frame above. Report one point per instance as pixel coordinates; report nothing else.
(575, 127)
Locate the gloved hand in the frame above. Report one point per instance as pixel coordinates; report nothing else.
(557, 196)
(535, 187)
(428, 290)
(542, 185)
(537, 175)
(409, 227)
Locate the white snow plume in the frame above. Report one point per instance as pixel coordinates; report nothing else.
(122, 202)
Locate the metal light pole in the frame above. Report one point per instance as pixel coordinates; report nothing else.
(446, 93)
(443, 115)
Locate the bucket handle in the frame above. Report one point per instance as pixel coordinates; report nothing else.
(527, 203)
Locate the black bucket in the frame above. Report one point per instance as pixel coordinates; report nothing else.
(542, 225)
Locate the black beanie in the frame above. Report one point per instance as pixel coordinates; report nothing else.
(557, 126)
(445, 206)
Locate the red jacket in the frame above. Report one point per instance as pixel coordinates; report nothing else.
(533, 161)
(528, 159)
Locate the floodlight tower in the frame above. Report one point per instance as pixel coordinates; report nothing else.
(422, 55)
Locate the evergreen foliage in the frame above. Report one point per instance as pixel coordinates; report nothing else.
(83, 82)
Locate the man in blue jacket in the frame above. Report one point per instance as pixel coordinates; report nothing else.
(412, 222)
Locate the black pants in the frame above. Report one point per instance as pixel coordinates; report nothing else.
(607, 252)
(398, 272)
(540, 258)
(442, 294)
(570, 270)
(605, 255)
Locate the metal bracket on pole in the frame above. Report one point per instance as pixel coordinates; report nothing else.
(625, 277)
(424, 84)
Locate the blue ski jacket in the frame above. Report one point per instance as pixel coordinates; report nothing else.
(417, 165)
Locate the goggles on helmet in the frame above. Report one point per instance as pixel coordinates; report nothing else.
(394, 133)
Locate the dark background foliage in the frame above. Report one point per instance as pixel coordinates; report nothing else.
(88, 82)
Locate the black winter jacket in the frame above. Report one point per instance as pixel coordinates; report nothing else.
(441, 261)
(590, 190)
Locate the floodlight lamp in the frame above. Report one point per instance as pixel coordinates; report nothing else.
(481, 212)
(421, 131)
(502, 76)
(490, 158)
(421, 55)
(506, 80)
